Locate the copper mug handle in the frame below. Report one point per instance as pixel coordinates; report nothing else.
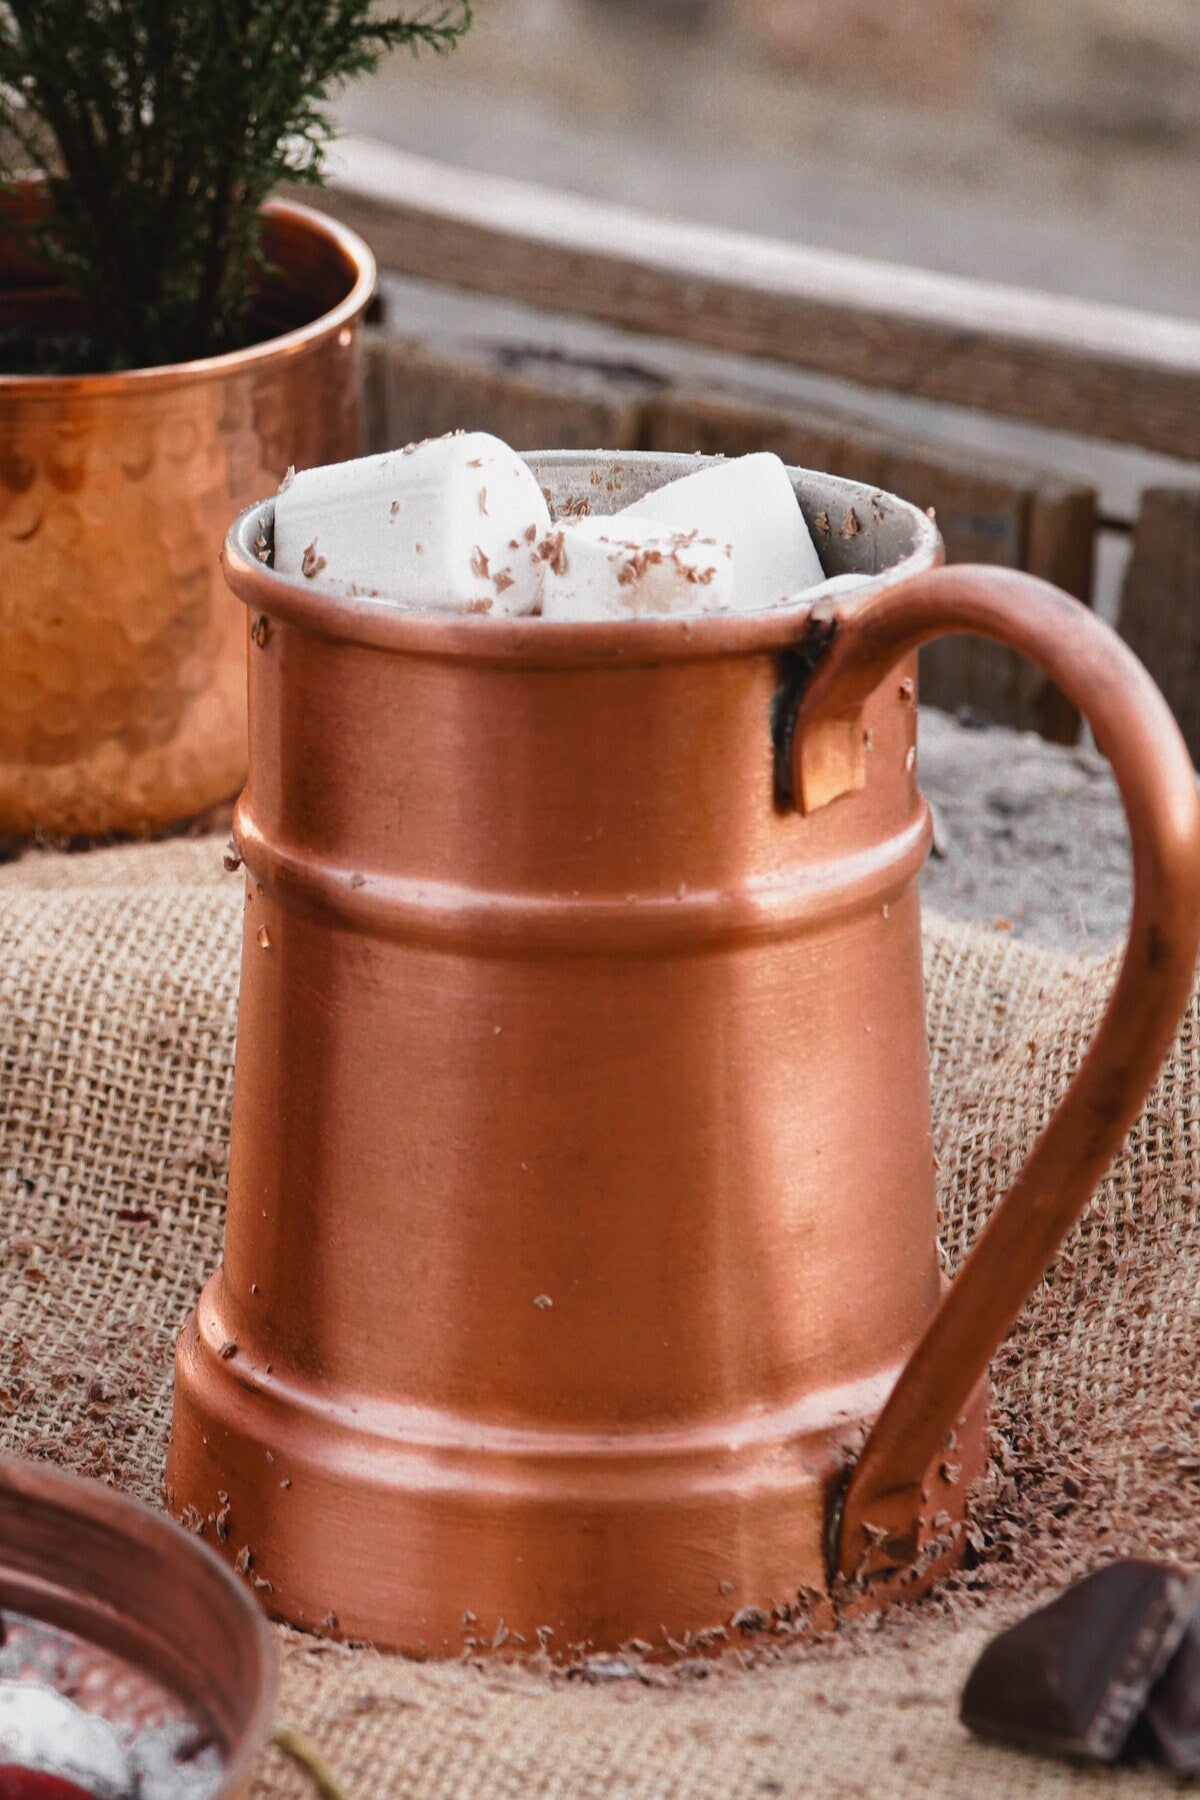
(874, 1528)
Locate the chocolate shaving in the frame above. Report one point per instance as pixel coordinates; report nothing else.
(553, 552)
(310, 563)
(698, 577)
(637, 565)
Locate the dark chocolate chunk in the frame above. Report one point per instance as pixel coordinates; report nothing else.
(1172, 1713)
(1074, 1676)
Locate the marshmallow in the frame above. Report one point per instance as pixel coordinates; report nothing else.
(833, 585)
(451, 524)
(42, 1730)
(171, 1762)
(748, 503)
(618, 567)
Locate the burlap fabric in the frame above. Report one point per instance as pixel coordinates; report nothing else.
(118, 979)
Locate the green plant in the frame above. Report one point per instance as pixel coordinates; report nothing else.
(161, 126)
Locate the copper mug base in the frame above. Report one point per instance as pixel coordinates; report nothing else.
(433, 1536)
(581, 1283)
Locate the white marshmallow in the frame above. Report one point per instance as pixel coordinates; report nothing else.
(43, 1730)
(837, 584)
(748, 503)
(451, 524)
(618, 567)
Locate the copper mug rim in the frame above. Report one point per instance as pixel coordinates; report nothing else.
(535, 642)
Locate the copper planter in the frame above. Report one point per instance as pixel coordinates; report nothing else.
(122, 654)
(581, 1213)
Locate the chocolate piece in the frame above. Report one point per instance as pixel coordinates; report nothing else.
(1074, 1676)
(1172, 1713)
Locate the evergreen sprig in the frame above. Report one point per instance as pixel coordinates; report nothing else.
(161, 126)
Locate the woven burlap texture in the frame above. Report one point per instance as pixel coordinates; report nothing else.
(118, 987)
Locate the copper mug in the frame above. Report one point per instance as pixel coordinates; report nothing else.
(581, 1216)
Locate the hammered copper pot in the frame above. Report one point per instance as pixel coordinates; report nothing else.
(122, 653)
(581, 1212)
